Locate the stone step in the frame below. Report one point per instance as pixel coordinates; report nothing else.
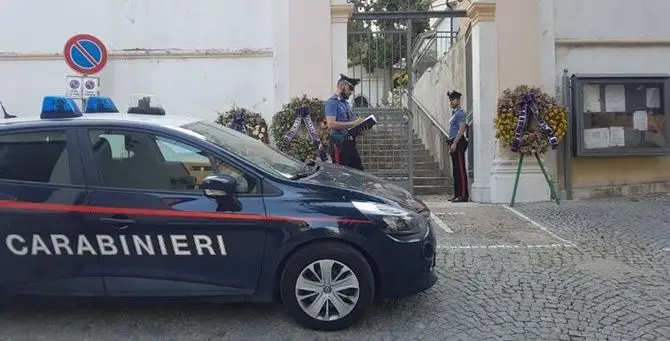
(395, 120)
(432, 190)
(385, 136)
(388, 129)
(432, 181)
(389, 140)
(402, 173)
(395, 158)
(440, 189)
(388, 148)
(371, 153)
(400, 137)
(401, 165)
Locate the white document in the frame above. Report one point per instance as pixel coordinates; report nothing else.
(617, 137)
(591, 94)
(640, 120)
(74, 86)
(615, 98)
(653, 98)
(596, 138)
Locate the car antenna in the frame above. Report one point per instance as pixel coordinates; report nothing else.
(7, 115)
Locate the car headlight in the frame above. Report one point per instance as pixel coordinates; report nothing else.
(397, 220)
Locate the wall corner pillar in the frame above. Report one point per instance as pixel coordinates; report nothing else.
(340, 13)
(484, 94)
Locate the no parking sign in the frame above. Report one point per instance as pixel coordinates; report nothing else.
(86, 55)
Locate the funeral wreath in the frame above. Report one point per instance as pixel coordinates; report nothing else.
(291, 128)
(245, 121)
(529, 121)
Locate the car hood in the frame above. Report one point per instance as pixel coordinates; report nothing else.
(355, 180)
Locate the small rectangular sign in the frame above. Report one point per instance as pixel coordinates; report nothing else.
(91, 86)
(74, 87)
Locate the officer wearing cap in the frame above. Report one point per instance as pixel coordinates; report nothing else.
(457, 146)
(339, 118)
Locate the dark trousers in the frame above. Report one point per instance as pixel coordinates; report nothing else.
(344, 152)
(460, 170)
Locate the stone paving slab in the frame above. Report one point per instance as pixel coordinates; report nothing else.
(471, 225)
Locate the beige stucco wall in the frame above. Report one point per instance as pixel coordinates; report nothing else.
(431, 91)
(589, 38)
(447, 74)
(520, 56)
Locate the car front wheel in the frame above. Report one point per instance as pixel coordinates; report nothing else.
(327, 286)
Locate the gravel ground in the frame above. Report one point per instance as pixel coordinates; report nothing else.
(589, 270)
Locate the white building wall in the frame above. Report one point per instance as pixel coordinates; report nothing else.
(590, 38)
(603, 19)
(227, 47)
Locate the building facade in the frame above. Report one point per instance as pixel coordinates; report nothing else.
(197, 58)
(612, 77)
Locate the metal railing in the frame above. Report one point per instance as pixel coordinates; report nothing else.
(429, 48)
(431, 132)
(378, 58)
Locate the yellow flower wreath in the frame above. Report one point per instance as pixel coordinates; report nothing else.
(533, 139)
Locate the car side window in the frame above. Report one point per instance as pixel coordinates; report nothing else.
(245, 184)
(144, 161)
(36, 157)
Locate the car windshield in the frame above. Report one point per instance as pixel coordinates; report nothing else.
(252, 150)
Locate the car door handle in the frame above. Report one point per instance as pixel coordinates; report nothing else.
(119, 223)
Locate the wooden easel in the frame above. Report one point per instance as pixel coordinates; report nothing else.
(554, 196)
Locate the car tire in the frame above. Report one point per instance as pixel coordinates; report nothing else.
(301, 288)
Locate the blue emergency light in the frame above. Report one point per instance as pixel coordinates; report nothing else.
(100, 104)
(59, 107)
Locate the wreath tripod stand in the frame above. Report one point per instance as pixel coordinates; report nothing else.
(554, 196)
(527, 113)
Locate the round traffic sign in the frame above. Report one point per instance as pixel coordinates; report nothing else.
(74, 84)
(89, 85)
(85, 54)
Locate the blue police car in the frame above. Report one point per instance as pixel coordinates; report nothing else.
(148, 205)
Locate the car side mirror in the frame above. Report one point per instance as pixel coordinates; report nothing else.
(219, 185)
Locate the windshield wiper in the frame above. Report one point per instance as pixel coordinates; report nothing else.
(308, 170)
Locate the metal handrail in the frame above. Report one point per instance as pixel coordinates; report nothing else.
(419, 40)
(423, 110)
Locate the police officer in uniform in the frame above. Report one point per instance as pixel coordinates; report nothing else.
(457, 147)
(339, 118)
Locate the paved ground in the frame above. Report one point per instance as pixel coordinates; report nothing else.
(596, 270)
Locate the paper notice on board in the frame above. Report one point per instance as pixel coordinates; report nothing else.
(591, 94)
(640, 120)
(596, 138)
(617, 137)
(615, 98)
(653, 98)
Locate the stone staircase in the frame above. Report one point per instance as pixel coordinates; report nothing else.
(385, 153)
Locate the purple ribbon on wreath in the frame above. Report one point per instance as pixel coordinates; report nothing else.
(238, 122)
(527, 111)
(302, 115)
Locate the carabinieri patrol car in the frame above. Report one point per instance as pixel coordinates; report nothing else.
(147, 205)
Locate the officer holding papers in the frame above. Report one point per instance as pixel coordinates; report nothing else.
(344, 125)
